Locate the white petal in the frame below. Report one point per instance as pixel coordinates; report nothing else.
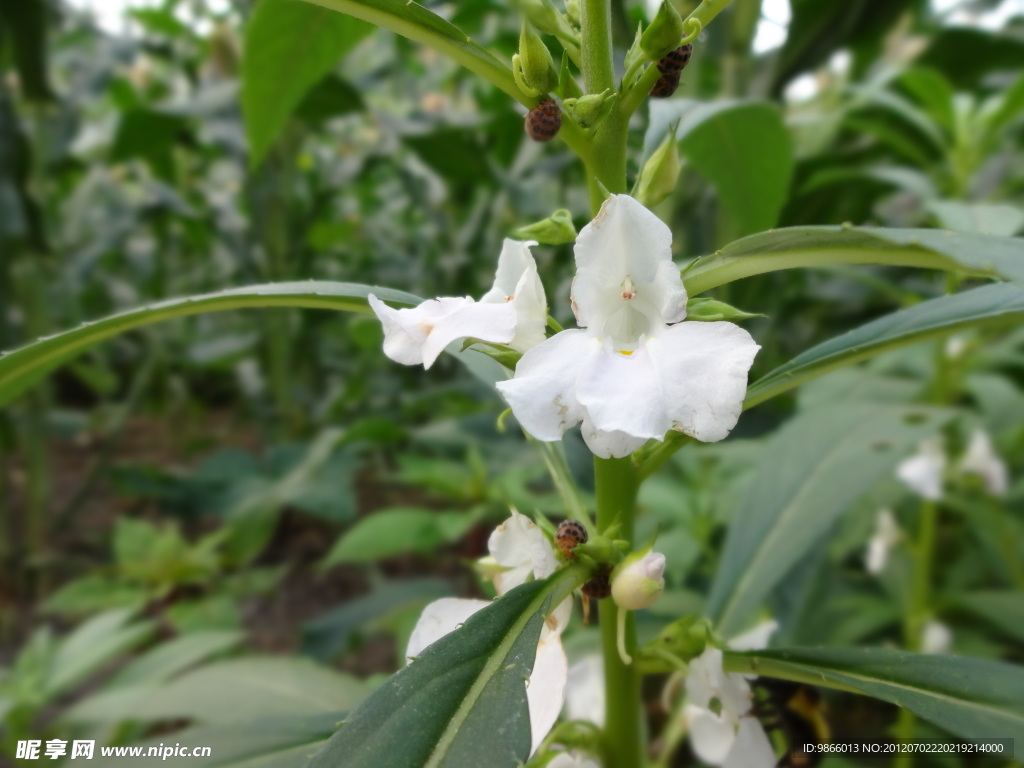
(519, 546)
(756, 638)
(936, 637)
(623, 393)
(626, 284)
(438, 619)
(420, 334)
(704, 678)
(609, 445)
(545, 692)
(923, 471)
(542, 394)
(571, 760)
(584, 694)
(752, 749)
(703, 369)
(711, 736)
(887, 534)
(517, 282)
(981, 459)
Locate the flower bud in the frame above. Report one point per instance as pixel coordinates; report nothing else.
(572, 11)
(659, 174)
(586, 110)
(535, 58)
(639, 580)
(556, 229)
(664, 33)
(710, 311)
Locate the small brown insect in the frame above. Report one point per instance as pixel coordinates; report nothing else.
(674, 61)
(543, 121)
(599, 586)
(665, 86)
(570, 534)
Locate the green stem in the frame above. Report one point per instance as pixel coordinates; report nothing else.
(616, 486)
(707, 10)
(595, 20)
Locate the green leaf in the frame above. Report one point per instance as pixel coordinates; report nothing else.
(394, 531)
(989, 305)
(971, 698)
(175, 656)
(809, 474)
(462, 701)
(93, 644)
(289, 47)
(816, 246)
(23, 367)
(998, 219)
(229, 692)
(742, 148)
(1002, 609)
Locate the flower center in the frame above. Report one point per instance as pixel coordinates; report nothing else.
(628, 289)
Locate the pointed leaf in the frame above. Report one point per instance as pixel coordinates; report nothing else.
(972, 698)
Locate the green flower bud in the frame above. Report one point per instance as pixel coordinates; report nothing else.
(572, 10)
(535, 59)
(587, 110)
(639, 580)
(556, 229)
(664, 33)
(542, 14)
(659, 174)
(568, 88)
(711, 310)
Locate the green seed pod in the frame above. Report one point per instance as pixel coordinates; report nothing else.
(664, 33)
(659, 174)
(535, 58)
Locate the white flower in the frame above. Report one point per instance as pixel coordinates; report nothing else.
(981, 459)
(887, 535)
(571, 760)
(631, 375)
(726, 734)
(923, 471)
(936, 637)
(513, 312)
(584, 693)
(639, 580)
(520, 550)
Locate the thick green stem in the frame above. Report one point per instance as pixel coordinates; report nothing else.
(616, 487)
(595, 20)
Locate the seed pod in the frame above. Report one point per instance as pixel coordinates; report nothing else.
(544, 120)
(570, 534)
(665, 86)
(600, 586)
(674, 61)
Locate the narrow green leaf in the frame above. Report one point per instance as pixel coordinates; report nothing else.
(989, 305)
(23, 367)
(394, 531)
(289, 47)
(972, 698)
(1002, 609)
(175, 656)
(816, 246)
(463, 700)
(810, 473)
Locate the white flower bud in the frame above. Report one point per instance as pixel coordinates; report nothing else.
(639, 580)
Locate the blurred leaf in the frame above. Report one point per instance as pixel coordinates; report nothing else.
(390, 532)
(998, 304)
(289, 47)
(1004, 107)
(996, 219)
(173, 657)
(328, 635)
(1002, 609)
(25, 366)
(933, 91)
(972, 698)
(149, 135)
(331, 97)
(461, 702)
(457, 154)
(92, 594)
(965, 55)
(814, 246)
(231, 691)
(809, 474)
(93, 644)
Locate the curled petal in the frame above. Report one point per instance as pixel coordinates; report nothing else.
(520, 547)
(622, 392)
(543, 393)
(438, 619)
(419, 335)
(609, 445)
(517, 282)
(703, 370)
(751, 749)
(711, 736)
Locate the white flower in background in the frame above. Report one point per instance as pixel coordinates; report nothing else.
(923, 471)
(887, 535)
(981, 459)
(936, 637)
(513, 312)
(727, 734)
(584, 692)
(572, 760)
(633, 371)
(519, 550)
